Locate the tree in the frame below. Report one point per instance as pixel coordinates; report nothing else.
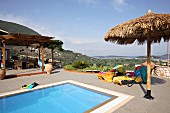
(14, 58)
(52, 45)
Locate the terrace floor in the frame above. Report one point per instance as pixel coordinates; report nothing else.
(160, 88)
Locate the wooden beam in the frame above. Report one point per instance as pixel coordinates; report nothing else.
(23, 39)
(7, 36)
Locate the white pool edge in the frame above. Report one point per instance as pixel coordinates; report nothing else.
(106, 108)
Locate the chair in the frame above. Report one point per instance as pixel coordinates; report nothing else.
(108, 76)
(140, 77)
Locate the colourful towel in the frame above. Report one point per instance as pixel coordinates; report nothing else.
(29, 86)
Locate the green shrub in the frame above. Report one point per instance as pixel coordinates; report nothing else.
(14, 58)
(69, 67)
(80, 64)
(101, 68)
(92, 68)
(107, 68)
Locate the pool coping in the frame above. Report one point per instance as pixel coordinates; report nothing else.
(106, 107)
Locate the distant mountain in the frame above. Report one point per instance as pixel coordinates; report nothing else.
(153, 57)
(114, 57)
(165, 56)
(131, 57)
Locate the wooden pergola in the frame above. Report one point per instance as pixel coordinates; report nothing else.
(22, 40)
(18, 35)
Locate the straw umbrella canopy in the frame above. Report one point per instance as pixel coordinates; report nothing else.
(150, 28)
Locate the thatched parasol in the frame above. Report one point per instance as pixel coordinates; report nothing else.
(150, 28)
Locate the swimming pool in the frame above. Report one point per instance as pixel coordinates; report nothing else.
(65, 97)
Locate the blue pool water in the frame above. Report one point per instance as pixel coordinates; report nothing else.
(65, 98)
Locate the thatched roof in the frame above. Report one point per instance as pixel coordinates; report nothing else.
(19, 35)
(155, 25)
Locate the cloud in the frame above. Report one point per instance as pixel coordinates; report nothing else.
(120, 2)
(41, 28)
(119, 5)
(12, 18)
(88, 2)
(79, 18)
(92, 47)
(79, 40)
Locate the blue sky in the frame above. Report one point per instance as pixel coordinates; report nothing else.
(82, 24)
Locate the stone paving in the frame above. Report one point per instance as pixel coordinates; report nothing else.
(160, 89)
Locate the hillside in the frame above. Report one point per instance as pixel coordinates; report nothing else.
(68, 57)
(132, 57)
(65, 56)
(165, 56)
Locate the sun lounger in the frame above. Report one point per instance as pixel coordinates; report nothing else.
(140, 77)
(125, 80)
(106, 76)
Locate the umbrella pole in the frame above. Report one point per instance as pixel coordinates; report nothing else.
(148, 94)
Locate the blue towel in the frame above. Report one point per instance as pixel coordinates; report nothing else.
(143, 71)
(32, 85)
(40, 63)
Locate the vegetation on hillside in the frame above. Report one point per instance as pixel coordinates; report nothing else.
(71, 60)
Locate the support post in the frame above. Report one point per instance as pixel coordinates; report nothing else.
(39, 53)
(52, 50)
(3, 54)
(168, 53)
(42, 58)
(148, 94)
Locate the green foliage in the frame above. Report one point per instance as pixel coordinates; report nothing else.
(101, 68)
(107, 68)
(67, 57)
(80, 64)
(160, 62)
(53, 44)
(83, 65)
(93, 67)
(129, 68)
(14, 58)
(69, 67)
(131, 65)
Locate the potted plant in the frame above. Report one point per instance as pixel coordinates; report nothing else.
(48, 68)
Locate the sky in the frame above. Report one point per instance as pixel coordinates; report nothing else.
(82, 24)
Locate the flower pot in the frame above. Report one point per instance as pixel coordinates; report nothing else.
(2, 73)
(48, 68)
